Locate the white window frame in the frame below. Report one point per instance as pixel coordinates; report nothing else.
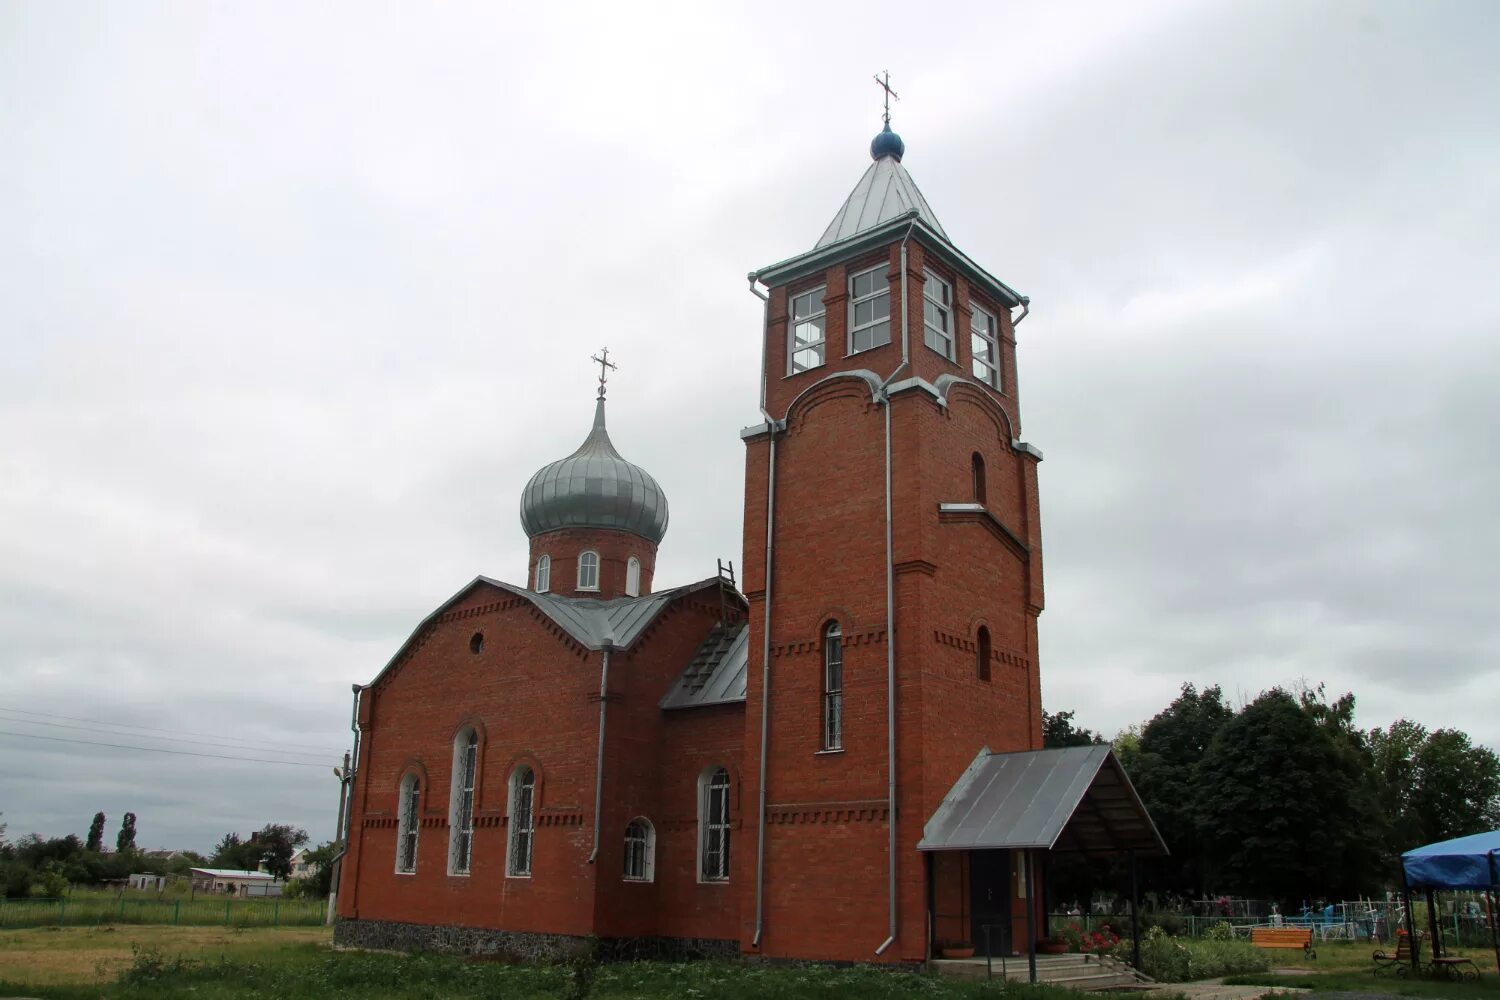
(461, 801)
(588, 560)
(408, 805)
(713, 835)
(816, 310)
(985, 369)
(881, 287)
(640, 850)
(633, 577)
(521, 837)
(543, 573)
(833, 687)
(937, 314)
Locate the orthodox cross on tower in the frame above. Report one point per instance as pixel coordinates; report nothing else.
(885, 85)
(605, 367)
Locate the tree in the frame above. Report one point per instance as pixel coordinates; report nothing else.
(277, 843)
(1162, 763)
(96, 834)
(321, 882)
(1058, 731)
(1456, 790)
(125, 842)
(1281, 807)
(232, 852)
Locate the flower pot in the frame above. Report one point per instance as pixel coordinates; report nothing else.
(964, 952)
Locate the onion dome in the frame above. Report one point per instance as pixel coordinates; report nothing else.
(595, 488)
(887, 143)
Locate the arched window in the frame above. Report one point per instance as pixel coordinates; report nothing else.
(640, 850)
(588, 571)
(543, 574)
(633, 577)
(461, 801)
(406, 833)
(833, 687)
(978, 464)
(713, 825)
(522, 820)
(983, 653)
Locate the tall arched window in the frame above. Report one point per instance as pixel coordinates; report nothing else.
(713, 825)
(543, 574)
(522, 820)
(588, 571)
(633, 577)
(978, 463)
(640, 850)
(982, 654)
(833, 687)
(461, 801)
(406, 833)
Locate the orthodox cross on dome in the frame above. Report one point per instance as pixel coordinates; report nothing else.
(885, 85)
(605, 367)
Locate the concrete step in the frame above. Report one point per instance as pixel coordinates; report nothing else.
(1079, 972)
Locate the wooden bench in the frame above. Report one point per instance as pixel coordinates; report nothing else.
(1283, 937)
(1399, 961)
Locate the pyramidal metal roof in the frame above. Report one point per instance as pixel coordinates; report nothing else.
(886, 192)
(718, 672)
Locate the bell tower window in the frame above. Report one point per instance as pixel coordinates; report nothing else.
(937, 314)
(984, 347)
(869, 310)
(588, 571)
(633, 577)
(543, 574)
(809, 341)
(978, 466)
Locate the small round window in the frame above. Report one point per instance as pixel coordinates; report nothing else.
(476, 643)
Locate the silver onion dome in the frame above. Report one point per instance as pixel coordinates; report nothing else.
(594, 488)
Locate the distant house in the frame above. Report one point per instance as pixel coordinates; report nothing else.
(148, 882)
(301, 866)
(235, 882)
(162, 854)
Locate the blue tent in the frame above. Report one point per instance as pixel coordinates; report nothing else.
(1471, 862)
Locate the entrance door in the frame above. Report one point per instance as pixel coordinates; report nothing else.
(989, 900)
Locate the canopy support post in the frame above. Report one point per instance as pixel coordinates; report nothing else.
(1495, 907)
(1411, 926)
(1135, 914)
(1030, 917)
(1432, 922)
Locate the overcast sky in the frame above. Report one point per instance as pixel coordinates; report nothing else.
(294, 298)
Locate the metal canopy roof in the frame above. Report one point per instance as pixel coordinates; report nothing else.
(717, 673)
(1068, 799)
(885, 192)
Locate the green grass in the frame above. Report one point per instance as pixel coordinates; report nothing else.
(1348, 967)
(219, 964)
(93, 909)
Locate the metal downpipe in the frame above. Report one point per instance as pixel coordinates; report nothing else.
(890, 607)
(599, 758)
(348, 795)
(765, 677)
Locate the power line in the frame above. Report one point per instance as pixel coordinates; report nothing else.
(180, 753)
(152, 729)
(165, 739)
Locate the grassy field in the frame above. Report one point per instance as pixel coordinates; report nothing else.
(94, 909)
(1347, 967)
(147, 963)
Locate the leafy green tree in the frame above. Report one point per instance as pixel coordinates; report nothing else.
(1457, 787)
(125, 841)
(232, 852)
(1058, 731)
(1281, 809)
(322, 857)
(96, 834)
(1163, 766)
(277, 843)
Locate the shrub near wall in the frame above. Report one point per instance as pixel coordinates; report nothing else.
(1179, 960)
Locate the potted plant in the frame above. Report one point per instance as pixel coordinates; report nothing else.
(955, 948)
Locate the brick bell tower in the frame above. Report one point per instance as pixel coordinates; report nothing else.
(893, 565)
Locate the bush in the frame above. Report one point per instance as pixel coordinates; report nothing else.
(1179, 960)
(1221, 931)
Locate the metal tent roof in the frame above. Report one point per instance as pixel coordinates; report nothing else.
(1068, 799)
(885, 192)
(717, 673)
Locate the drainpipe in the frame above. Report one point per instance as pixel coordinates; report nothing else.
(890, 603)
(599, 760)
(1025, 311)
(346, 810)
(765, 673)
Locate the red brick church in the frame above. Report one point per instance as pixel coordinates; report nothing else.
(842, 761)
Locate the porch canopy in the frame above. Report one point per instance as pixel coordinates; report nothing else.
(1471, 862)
(1068, 799)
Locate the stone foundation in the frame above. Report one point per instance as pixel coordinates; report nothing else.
(524, 946)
